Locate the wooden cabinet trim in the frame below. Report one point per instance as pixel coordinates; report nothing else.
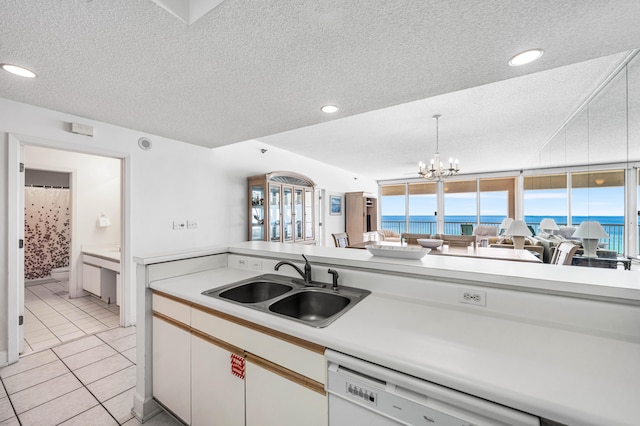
(240, 321)
(217, 342)
(174, 298)
(313, 347)
(286, 373)
(172, 321)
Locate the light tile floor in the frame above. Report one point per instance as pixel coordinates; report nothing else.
(88, 381)
(50, 317)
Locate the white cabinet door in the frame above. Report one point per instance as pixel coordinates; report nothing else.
(217, 396)
(91, 279)
(272, 400)
(172, 368)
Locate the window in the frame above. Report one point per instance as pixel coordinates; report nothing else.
(423, 204)
(460, 205)
(599, 196)
(497, 200)
(393, 207)
(545, 197)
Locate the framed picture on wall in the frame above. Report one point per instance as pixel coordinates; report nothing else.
(335, 204)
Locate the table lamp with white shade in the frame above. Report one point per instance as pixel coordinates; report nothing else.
(548, 225)
(517, 231)
(504, 225)
(590, 232)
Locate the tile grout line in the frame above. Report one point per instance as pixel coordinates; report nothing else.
(69, 303)
(86, 386)
(75, 307)
(10, 402)
(74, 375)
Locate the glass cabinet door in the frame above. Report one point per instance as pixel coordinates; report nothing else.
(287, 213)
(298, 213)
(257, 213)
(274, 213)
(308, 214)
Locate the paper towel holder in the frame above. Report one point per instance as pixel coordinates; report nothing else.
(103, 220)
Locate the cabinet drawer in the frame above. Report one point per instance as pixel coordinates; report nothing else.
(103, 263)
(307, 362)
(172, 308)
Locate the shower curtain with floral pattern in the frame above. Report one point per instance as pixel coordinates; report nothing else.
(46, 230)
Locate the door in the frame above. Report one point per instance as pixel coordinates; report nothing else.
(298, 214)
(275, 213)
(20, 277)
(172, 367)
(15, 252)
(287, 214)
(272, 400)
(309, 232)
(217, 394)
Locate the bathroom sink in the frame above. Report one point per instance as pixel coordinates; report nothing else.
(310, 305)
(290, 298)
(257, 291)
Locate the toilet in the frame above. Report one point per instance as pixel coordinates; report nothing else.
(62, 275)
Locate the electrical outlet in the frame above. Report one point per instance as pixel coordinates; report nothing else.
(192, 224)
(472, 297)
(179, 225)
(256, 264)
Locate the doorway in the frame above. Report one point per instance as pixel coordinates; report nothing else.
(52, 313)
(49, 309)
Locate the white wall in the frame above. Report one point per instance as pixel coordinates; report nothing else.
(172, 181)
(238, 161)
(96, 189)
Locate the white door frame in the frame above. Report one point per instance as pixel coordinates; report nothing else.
(15, 216)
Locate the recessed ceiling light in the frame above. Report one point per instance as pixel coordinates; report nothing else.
(22, 72)
(525, 57)
(329, 109)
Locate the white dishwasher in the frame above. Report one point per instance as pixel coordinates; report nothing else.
(365, 394)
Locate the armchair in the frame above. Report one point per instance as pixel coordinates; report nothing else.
(388, 235)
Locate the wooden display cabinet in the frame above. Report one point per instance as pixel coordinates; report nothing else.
(281, 208)
(361, 215)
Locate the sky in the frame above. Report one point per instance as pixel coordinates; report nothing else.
(608, 201)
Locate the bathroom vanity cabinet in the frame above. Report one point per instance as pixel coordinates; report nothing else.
(101, 277)
(207, 364)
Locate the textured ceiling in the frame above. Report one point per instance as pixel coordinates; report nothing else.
(249, 69)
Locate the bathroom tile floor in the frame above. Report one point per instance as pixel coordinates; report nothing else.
(50, 317)
(87, 381)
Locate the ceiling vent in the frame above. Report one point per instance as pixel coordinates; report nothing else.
(188, 11)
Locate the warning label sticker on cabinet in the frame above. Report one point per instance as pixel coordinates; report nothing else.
(237, 366)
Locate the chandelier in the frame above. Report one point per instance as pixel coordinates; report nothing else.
(436, 169)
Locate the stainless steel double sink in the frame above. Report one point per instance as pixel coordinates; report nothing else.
(290, 298)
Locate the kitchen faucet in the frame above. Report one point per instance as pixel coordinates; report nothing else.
(306, 275)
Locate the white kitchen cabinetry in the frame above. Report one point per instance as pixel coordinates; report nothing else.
(91, 279)
(172, 356)
(273, 400)
(283, 381)
(215, 392)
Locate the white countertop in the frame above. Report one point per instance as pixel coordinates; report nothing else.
(570, 280)
(109, 253)
(567, 375)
